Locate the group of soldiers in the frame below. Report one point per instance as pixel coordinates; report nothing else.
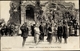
(37, 31)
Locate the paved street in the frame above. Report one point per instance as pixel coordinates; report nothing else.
(15, 43)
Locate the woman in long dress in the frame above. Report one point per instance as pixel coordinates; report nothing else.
(36, 34)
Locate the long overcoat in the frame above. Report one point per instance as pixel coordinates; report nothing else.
(60, 31)
(65, 32)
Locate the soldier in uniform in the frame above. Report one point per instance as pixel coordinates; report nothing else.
(24, 34)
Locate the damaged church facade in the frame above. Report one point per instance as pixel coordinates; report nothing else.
(37, 11)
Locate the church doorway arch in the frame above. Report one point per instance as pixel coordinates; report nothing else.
(30, 12)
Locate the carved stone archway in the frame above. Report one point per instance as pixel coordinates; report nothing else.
(30, 12)
(27, 12)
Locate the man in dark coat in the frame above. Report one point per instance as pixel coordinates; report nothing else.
(49, 36)
(59, 33)
(75, 29)
(8, 30)
(32, 30)
(41, 28)
(65, 32)
(3, 30)
(24, 34)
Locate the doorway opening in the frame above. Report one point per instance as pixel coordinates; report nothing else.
(30, 13)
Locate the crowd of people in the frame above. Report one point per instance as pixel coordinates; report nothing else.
(8, 30)
(37, 31)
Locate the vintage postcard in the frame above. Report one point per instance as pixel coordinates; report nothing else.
(39, 25)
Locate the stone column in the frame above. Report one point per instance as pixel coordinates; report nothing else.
(23, 14)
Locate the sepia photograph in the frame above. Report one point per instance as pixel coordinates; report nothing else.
(39, 25)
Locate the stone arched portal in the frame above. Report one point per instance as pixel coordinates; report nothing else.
(27, 13)
(30, 12)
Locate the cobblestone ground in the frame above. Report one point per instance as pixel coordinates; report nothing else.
(15, 44)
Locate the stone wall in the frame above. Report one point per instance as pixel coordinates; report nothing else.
(15, 12)
(19, 16)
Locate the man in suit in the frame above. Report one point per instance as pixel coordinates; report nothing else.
(24, 34)
(41, 28)
(49, 36)
(65, 32)
(59, 33)
(32, 30)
